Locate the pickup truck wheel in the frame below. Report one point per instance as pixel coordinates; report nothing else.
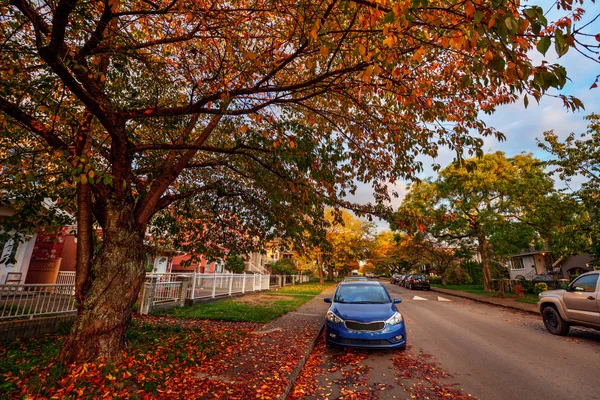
(554, 322)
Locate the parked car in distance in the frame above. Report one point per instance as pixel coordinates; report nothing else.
(362, 314)
(417, 282)
(355, 278)
(403, 280)
(395, 279)
(372, 275)
(579, 304)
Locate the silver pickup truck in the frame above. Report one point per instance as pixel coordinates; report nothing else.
(579, 305)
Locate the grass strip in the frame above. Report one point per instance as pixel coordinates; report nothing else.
(260, 307)
(478, 289)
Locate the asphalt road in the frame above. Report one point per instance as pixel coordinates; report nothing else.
(459, 347)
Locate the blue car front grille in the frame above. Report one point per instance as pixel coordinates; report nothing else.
(359, 326)
(365, 342)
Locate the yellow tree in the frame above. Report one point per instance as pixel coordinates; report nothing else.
(349, 241)
(248, 113)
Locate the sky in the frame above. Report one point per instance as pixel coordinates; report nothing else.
(523, 126)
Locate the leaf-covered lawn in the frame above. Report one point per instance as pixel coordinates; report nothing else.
(160, 348)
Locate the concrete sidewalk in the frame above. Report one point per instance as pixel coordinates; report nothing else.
(267, 363)
(502, 302)
(310, 315)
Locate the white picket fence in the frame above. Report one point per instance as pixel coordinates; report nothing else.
(31, 300)
(18, 301)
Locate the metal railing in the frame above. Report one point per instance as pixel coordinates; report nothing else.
(65, 278)
(213, 285)
(34, 300)
(167, 292)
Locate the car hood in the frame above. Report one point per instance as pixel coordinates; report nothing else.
(364, 312)
(552, 293)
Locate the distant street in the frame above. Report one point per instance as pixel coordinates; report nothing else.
(489, 352)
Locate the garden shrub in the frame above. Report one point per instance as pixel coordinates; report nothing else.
(475, 271)
(466, 279)
(539, 288)
(520, 291)
(435, 280)
(454, 274)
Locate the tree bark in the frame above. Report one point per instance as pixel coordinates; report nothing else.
(320, 268)
(487, 277)
(116, 277)
(85, 248)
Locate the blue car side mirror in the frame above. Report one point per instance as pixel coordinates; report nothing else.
(396, 301)
(327, 300)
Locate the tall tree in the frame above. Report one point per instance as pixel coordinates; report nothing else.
(390, 253)
(472, 201)
(247, 113)
(348, 241)
(580, 157)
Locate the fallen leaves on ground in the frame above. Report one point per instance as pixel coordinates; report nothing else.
(336, 373)
(423, 379)
(168, 358)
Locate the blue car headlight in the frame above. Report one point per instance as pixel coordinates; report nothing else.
(331, 317)
(395, 319)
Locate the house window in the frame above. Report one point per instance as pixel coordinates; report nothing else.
(8, 252)
(516, 263)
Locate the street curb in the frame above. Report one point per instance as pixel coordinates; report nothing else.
(298, 369)
(458, 293)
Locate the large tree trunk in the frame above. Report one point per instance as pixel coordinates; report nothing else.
(117, 274)
(487, 277)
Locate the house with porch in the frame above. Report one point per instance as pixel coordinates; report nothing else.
(529, 264)
(575, 264)
(46, 257)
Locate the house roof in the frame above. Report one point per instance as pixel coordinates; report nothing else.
(530, 253)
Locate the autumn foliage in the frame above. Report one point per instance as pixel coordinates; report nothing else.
(249, 116)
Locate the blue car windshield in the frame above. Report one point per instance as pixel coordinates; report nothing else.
(361, 294)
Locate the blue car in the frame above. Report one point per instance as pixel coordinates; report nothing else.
(362, 314)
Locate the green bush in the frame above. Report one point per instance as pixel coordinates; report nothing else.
(283, 266)
(453, 275)
(527, 285)
(466, 279)
(235, 263)
(539, 288)
(435, 280)
(475, 271)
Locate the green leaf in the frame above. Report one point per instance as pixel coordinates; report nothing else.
(389, 17)
(530, 12)
(497, 64)
(478, 16)
(526, 101)
(560, 44)
(543, 45)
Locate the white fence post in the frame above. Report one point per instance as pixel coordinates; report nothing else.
(254, 283)
(214, 287)
(193, 296)
(230, 283)
(244, 283)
